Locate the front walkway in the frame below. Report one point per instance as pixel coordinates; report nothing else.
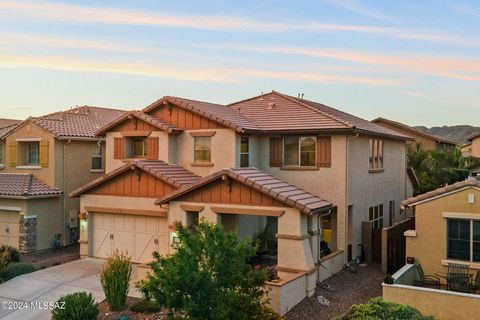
(341, 290)
(48, 285)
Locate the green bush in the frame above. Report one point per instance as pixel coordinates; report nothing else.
(13, 255)
(115, 277)
(377, 309)
(208, 276)
(77, 306)
(145, 306)
(267, 314)
(16, 269)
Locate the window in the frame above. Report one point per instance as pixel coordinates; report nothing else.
(202, 149)
(32, 150)
(1, 155)
(299, 151)
(97, 162)
(376, 154)
(463, 241)
(375, 215)
(139, 147)
(244, 152)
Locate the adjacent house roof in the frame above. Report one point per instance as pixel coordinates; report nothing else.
(277, 112)
(78, 122)
(415, 131)
(158, 123)
(470, 182)
(263, 182)
(474, 136)
(215, 112)
(7, 125)
(24, 185)
(174, 175)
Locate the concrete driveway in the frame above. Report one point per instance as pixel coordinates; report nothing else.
(48, 285)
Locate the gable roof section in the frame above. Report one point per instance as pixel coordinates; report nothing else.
(215, 112)
(141, 116)
(262, 182)
(78, 122)
(440, 192)
(277, 112)
(7, 125)
(415, 131)
(174, 175)
(13, 185)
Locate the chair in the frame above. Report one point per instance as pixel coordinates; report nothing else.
(457, 268)
(460, 283)
(476, 282)
(429, 281)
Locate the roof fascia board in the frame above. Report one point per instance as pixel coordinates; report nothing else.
(442, 195)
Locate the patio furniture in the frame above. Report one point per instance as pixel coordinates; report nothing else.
(457, 268)
(476, 282)
(429, 281)
(460, 283)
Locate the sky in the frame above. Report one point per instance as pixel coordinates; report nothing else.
(417, 62)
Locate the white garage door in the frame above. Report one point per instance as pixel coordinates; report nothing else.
(137, 235)
(9, 228)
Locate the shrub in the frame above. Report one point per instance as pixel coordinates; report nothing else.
(208, 276)
(267, 314)
(115, 277)
(12, 254)
(377, 309)
(145, 306)
(16, 269)
(77, 306)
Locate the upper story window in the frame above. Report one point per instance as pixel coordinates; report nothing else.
(135, 147)
(375, 215)
(244, 152)
(30, 153)
(299, 151)
(376, 154)
(97, 161)
(139, 147)
(463, 239)
(202, 152)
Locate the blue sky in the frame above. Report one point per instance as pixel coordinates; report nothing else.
(413, 61)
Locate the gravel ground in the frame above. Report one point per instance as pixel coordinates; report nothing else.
(51, 257)
(342, 290)
(106, 314)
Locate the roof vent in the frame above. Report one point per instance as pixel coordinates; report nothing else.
(270, 105)
(261, 98)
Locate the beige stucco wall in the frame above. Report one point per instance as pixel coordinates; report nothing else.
(3, 147)
(429, 247)
(288, 292)
(442, 304)
(367, 189)
(475, 147)
(48, 212)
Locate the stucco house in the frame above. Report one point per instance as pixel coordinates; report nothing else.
(6, 125)
(428, 141)
(307, 171)
(44, 159)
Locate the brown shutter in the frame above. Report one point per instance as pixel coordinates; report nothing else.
(152, 148)
(118, 148)
(276, 152)
(324, 151)
(13, 154)
(44, 154)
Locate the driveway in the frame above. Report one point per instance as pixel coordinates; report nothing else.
(48, 285)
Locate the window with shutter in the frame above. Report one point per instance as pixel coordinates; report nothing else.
(324, 151)
(13, 154)
(44, 154)
(152, 148)
(276, 157)
(118, 148)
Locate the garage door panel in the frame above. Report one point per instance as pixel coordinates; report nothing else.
(101, 243)
(9, 228)
(163, 243)
(123, 242)
(145, 245)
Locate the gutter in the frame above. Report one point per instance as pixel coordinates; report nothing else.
(67, 138)
(31, 197)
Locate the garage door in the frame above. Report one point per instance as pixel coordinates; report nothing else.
(9, 228)
(137, 235)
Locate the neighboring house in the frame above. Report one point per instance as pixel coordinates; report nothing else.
(59, 151)
(428, 141)
(466, 150)
(299, 168)
(6, 125)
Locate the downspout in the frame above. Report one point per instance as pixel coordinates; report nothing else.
(347, 142)
(64, 194)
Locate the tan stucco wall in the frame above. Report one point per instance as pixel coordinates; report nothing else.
(443, 305)
(3, 147)
(49, 223)
(367, 189)
(429, 247)
(288, 292)
(475, 147)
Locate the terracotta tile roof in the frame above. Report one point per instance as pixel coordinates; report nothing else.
(174, 175)
(279, 112)
(24, 185)
(264, 183)
(413, 130)
(470, 182)
(7, 125)
(158, 123)
(215, 112)
(79, 122)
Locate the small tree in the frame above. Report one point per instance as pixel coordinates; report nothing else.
(115, 277)
(208, 276)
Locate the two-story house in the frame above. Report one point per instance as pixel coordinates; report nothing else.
(6, 125)
(44, 159)
(305, 170)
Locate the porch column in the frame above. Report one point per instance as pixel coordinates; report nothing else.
(209, 215)
(294, 250)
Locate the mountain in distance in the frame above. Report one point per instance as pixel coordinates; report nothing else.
(459, 133)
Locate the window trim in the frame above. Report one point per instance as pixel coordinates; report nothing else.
(465, 217)
(245, 153)
(373, 219)
(145, 146)
(299, 163)
(202, 163)
(102, 169)
(376, 161)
